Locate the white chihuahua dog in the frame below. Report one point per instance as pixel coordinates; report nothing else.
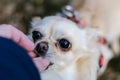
(73, 52)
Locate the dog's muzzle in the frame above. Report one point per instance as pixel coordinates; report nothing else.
(41, 48)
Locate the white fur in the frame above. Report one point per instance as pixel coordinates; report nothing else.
(81, 62)
(67, 74)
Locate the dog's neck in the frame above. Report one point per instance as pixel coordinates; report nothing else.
(87, 68)
(83, 69)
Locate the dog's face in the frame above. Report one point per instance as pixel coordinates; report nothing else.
(61, 41)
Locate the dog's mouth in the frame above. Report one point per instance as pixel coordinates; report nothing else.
(44, 61)
(50, 64)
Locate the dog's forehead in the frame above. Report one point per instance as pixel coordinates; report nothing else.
(66, 25)
(56, 27)
(57, 24)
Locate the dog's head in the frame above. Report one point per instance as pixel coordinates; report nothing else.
(62, 41)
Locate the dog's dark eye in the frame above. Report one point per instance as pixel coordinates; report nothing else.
(64, 44)
(36, 35)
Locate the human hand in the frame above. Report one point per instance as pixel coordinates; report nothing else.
(10, 32)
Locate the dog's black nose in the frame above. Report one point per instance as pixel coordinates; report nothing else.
(42, 48)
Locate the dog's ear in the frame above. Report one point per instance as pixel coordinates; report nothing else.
(93, 35)
(35, 21)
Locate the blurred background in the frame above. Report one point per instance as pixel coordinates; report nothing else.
(20, 12)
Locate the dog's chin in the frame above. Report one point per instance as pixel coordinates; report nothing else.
(51, 63)
(49, 66)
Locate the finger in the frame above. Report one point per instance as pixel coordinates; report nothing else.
(19, 37)
(32, 54)
(5, 31)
